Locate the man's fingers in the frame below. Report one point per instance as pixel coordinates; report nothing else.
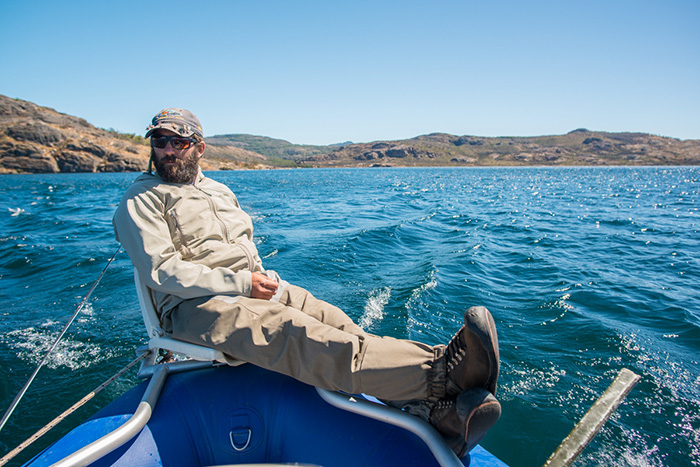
(263, 287)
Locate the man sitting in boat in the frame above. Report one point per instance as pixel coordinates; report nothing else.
(191, 244)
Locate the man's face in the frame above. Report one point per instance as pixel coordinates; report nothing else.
(176, 165)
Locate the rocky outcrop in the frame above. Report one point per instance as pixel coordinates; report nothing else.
(25, 157)
(470, 140)
(36, 132)
(36, 139)
(387, 151)
(579, 147)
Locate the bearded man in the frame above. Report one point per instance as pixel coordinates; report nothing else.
(192, 245)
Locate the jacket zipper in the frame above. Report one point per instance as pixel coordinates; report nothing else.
(178, 232)
(212, 206)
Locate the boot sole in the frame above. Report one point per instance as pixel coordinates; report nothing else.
(480, 322)
(482, 412)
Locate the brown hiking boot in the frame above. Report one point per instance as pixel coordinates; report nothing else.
(472, 357)
(464, 421)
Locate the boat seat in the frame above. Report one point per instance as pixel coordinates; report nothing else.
(158, 339)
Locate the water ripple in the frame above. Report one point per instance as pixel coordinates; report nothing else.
(586, 271)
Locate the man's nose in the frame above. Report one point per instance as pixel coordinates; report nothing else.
(168, 149)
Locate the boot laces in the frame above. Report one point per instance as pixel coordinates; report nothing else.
(456, 350)
(444, 404)
(440, 409)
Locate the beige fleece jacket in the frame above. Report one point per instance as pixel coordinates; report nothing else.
(187, 240)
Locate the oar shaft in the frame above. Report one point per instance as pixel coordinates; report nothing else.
(593, 421)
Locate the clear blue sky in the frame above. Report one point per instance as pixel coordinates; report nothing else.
(321, 72)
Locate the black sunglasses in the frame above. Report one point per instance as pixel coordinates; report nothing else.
(177, 142)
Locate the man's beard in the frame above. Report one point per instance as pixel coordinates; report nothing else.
(184, 170)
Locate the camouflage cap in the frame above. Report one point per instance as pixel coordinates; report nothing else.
(181, 121)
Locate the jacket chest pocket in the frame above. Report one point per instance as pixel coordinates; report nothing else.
(191, 225)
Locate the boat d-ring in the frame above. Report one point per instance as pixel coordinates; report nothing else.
(247, 441)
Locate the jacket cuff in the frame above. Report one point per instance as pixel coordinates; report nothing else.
(244, 282)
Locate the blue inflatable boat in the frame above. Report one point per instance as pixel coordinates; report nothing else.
(206, 410)
(244, 415)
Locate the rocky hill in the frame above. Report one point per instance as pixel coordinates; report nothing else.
(35, 139)
(273, 149)
(38, 139)
(578, 147)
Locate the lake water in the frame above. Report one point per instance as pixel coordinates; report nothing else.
(586, 271)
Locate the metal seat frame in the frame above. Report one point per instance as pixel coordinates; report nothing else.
(158, 339)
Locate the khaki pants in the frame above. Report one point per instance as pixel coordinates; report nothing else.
(311, 341)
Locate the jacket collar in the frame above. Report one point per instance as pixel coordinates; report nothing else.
(200, 176)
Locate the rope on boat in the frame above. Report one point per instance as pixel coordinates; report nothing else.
(69, 411)
(19, 396)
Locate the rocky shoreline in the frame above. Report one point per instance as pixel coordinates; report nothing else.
(35, 139)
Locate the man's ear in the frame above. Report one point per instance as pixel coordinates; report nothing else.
(199, 148)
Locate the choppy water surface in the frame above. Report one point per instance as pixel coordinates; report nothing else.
(586, 271)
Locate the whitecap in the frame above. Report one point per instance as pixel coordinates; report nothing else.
(527, 380)
(273, 253)
(560, 304)
(634, 451)
(47, 323)
(374, 308)
(664, 369)
(86, 314)
(32, 344)
(417, 294)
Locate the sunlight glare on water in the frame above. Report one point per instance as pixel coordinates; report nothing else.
(586, 271)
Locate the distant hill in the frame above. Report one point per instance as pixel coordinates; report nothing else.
(578, 147)
(273, 149)
(35, 139)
